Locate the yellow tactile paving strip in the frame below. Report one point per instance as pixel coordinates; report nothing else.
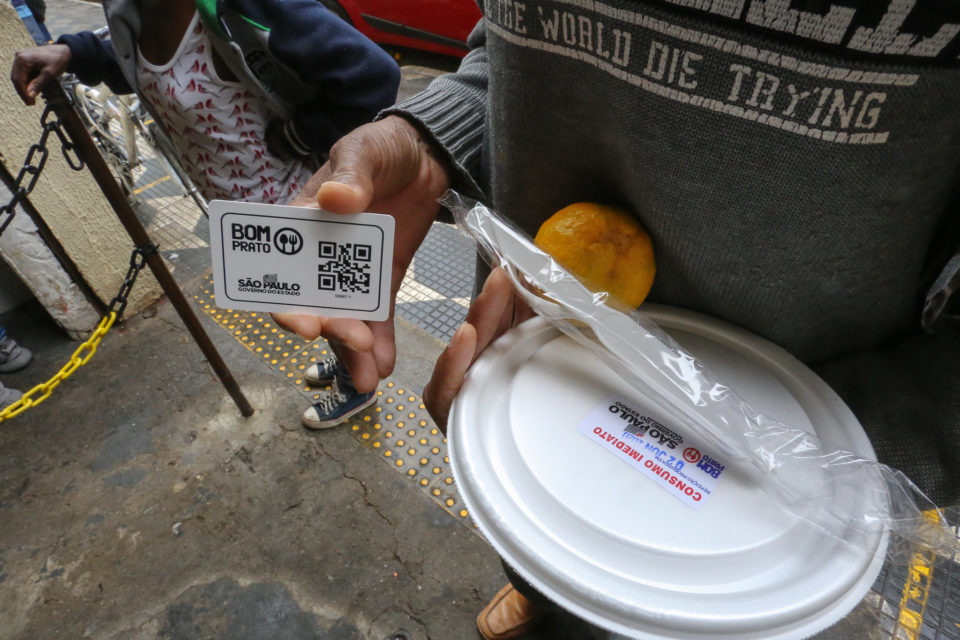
(916, 589)
(397, 428)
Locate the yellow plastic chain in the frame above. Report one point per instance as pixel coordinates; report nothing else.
(916, 589)
(79, 358)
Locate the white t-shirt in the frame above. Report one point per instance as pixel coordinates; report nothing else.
(218, 126)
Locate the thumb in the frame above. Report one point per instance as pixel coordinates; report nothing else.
(349, 189)
(38, 83)
(372, 162)
(448, 374)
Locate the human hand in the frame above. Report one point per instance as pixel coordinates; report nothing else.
(383, 167)
(34, 68)
(494, 311)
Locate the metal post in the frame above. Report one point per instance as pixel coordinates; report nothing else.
(88, 151)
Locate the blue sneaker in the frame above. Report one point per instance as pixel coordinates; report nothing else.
(321, 373)
(335, 407)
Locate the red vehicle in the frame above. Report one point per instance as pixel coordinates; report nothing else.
(435, 26)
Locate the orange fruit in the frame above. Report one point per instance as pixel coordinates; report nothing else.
(602, 245)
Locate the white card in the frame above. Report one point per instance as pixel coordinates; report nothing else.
(296, 259)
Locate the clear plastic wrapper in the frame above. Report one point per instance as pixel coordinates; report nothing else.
(850, 497)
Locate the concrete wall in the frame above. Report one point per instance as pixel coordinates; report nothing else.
(71, 205)
(13, 292)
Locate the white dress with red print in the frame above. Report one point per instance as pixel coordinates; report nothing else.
(218, 126)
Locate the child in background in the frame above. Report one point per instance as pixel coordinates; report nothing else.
(252, 96)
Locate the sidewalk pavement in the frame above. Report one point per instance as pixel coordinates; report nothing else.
(70, 16)
(137, 503)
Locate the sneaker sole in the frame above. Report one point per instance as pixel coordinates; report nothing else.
(326, 424)
(20, 361)
(8, 397)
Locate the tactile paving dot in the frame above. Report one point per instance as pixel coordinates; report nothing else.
(397, 429)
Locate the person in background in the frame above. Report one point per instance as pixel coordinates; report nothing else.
(794, 162)
(252, 96)
(33, 14)
(39, 10)
(13, 357)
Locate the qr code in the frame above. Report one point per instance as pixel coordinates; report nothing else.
(344, 267)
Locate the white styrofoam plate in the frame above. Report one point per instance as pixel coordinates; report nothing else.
(604, 541)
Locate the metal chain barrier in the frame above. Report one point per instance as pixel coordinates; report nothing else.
(34, 163)
(80, 357)
(32, 166)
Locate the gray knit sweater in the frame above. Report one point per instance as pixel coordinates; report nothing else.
(793, 167)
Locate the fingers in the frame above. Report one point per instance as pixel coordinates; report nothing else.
(367, 350)
(304, 325)
(521, 312)
(370, 354)
(20, 75)
(353, 334)
(448, 374)
(374, 161)
(350, 190)
(41, 81)
(384, 346)
(361, 364)
(490, 315)
(492, 312)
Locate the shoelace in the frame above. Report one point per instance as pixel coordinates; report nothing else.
(327, 365)
(332, 400)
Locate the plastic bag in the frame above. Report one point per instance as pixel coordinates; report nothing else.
(845, 495)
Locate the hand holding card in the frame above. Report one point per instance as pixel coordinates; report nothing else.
(384, 166)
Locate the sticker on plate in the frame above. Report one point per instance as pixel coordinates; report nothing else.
(673, 461)
(297, 259)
